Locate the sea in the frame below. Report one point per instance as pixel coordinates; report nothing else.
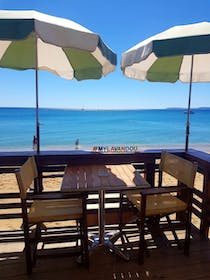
(67, 129)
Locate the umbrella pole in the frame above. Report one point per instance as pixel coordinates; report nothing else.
(37, 114)
(37, 99)
(188, 109)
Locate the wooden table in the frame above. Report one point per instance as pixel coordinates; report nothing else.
(102, 178)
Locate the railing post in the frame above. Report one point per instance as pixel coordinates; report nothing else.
(38, 182)
(149, 174)
(204, 226)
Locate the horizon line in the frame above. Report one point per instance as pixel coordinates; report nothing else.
(105, 109)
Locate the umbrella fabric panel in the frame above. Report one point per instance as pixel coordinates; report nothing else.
(172, 64)
(66, 37)
(84, 64)
(182, 46)
(201, 71)
(107, 52)
(53, 59)
(137, 70)
(19, 55)
(15, 29)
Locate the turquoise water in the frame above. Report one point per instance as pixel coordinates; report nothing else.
(59, 128)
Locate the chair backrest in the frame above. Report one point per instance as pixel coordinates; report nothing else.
(181, 169)
(26, 175)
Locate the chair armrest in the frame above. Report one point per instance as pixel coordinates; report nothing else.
(57, 195)
(163, 190)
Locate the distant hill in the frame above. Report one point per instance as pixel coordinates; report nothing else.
(175, 108)
(181, 109)
(203, 108)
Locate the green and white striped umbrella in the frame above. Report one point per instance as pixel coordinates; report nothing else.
(179, 53)
(32, 40)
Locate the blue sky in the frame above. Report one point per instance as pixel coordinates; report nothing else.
(121, 24)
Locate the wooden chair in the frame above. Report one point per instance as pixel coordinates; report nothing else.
(45, 209)
(152, 204)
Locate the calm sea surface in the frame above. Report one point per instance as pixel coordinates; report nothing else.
(59, 129)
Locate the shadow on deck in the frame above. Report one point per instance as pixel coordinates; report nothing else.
(165, 262)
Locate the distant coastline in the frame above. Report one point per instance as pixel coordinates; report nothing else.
(111, 109)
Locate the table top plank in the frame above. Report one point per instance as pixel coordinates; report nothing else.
(72, 177)
(126, 173)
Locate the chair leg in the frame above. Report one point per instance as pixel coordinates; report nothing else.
(36, 241)
(78, 226)
(187, 234)
(173, 231)
(27, 250)
(121, 219)
(123, 205)
(84, 242)
(142, 244)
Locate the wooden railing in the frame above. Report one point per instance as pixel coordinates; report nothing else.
(52, 164)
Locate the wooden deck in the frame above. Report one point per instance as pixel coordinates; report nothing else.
(163, 262)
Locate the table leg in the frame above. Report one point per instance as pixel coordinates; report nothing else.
(105, 239)
(101, 215)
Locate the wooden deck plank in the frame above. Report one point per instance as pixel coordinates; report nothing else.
(165, 262)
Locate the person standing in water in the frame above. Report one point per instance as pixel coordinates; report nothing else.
(35, 143)
(77, 144)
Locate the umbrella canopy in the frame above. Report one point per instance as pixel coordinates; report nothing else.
(179, 53)
(32, 40)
